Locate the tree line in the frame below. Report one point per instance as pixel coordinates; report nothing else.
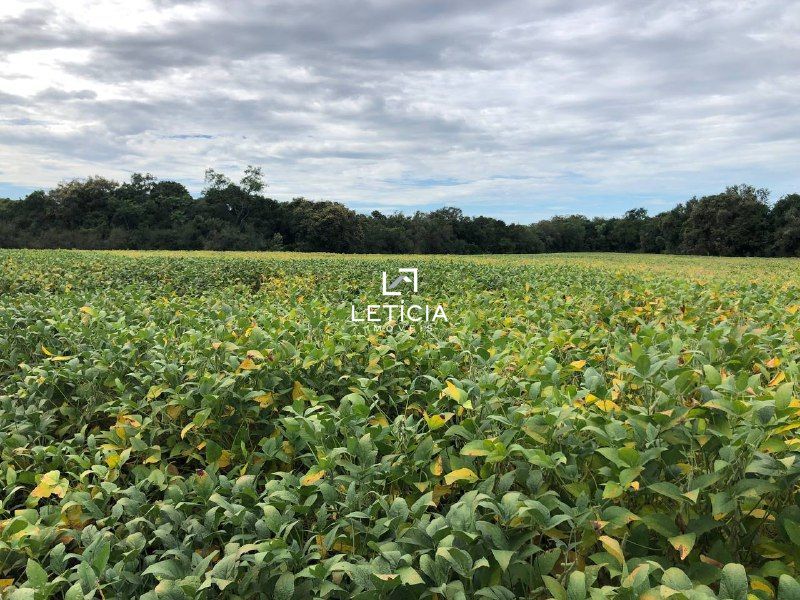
(147, 213)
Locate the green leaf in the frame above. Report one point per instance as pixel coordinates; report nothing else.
(733, 584)
(576, 586)
(409, 576)
(503, 558)
(284, 587)
(166, 569)
(555, 588)
(75, 592)
(477, 448)
(783, 395)
(676, 579)
(713, 378)
(788, 588)
(460, 561)
(37, 576)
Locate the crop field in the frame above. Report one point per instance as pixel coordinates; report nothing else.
(201, 425)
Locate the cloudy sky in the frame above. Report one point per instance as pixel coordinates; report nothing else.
(515, 109)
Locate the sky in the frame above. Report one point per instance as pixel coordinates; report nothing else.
(514, 109)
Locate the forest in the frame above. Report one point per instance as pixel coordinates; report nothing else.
(149, 213)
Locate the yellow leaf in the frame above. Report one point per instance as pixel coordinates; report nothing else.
(457, 394)
(460, 475)
(773, 362)
(379, 420)
(46, 353)
(247, 365)
(761, 585)
(265, 400)
(613, 548)
(793, 308)
(312, 477)
(777, 379)
(692, 495)
(60, 358)
(128, 420)
(683, 543)
(174, 411)
(436, 466)
(4, 583)
(788, 427)
(48, 485)
(297, 391)
(438, 420)
(255, 354)
(607, 405)
(112, 460)
(186, 429)
(154, 392)
(224, 459)
(577, 364)
(88, 310)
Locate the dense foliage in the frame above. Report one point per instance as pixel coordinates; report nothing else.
(149, 214)
(206, 425)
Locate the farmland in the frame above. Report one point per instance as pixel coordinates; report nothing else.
(202, 425)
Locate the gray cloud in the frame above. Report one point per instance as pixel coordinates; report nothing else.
(523, 105)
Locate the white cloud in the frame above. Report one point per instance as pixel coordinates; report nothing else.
(509, 108)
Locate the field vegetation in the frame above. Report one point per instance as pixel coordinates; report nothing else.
(204, 425)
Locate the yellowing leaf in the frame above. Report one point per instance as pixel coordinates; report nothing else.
(613, 548)
(607, 405)
(265, 400)
(186, 429)
(297, 391)
(50, 483)
(577, 364)
(154, 392)
(174, 411)
(773, 362)
(224, 459)
(112, 460)
(436, 466)
(247, 365)
(457, 394)
(379, 420)
(590, 399)
(460, 475)
(46, 353)
(438, 420)
(777, 379)
(683, 544)
(312, 477)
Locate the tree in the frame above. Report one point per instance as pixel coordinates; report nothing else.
(734, 223)
(785, 226)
